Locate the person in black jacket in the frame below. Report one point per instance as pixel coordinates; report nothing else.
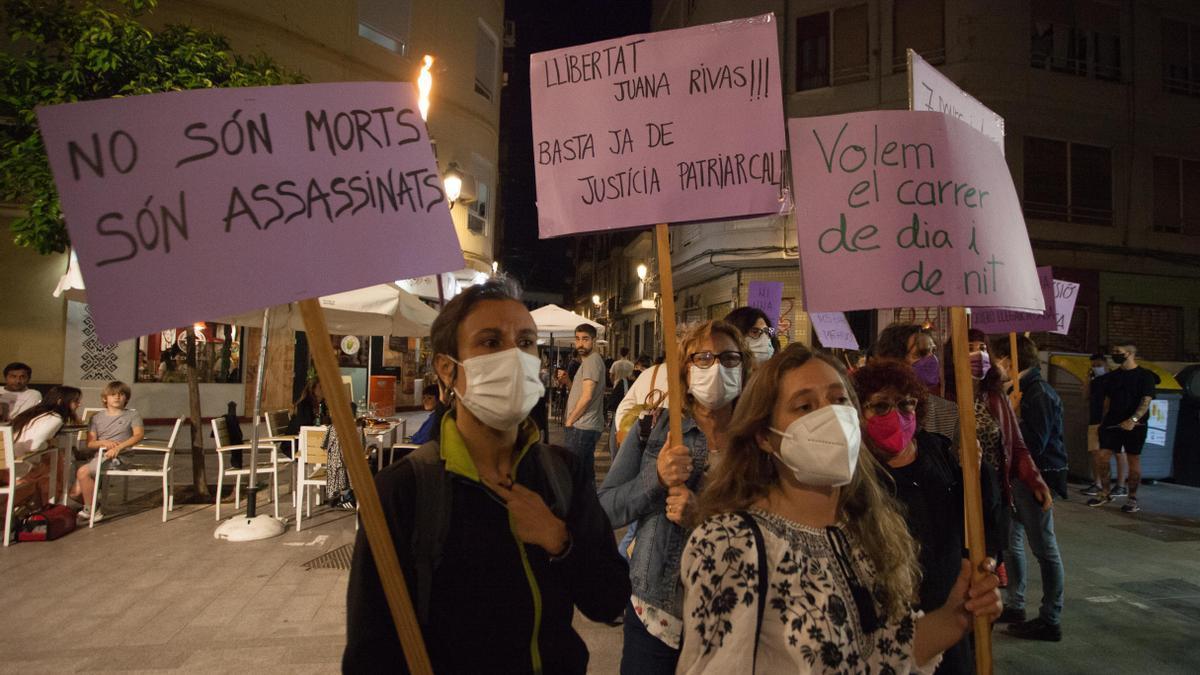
(500, 537)
(927, 481)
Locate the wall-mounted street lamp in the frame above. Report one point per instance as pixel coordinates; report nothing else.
(596, 300)
(453, 180)
(495, 267)
(641, 272)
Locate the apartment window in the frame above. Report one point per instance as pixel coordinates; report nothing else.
(1071, 182)
(1077, 37)
(478, 211)
(919, 25)
(1181, 57)
(820, 61)
(386, 23)
(487, 58)
(1176, 195)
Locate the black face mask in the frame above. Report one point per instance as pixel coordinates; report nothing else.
(1119, 358)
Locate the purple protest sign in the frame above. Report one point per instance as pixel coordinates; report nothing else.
(833, 330)
(767, 296)
(995, 320)
(656, 128)
(192, 205)
(902, 209)
(1065, 295)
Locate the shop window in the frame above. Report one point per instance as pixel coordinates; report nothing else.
(1176, 195)
(162, 357)
(1181, 57)
(1070, 182)
(386, 23)
(822, 61)
(487, 58)
(1077, 37)
(919, 25)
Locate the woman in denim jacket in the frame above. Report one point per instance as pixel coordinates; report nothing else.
(655, 487)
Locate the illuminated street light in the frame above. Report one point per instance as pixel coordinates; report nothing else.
(453, 180)
(596, 300)
(424, 84)
(495, 266)
(641, 271)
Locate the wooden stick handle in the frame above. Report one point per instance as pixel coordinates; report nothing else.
(1015, 399)
(369, 509)
(667, 285)
(970, 458)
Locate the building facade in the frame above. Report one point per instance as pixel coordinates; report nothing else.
(339, 40)
(1100, 100)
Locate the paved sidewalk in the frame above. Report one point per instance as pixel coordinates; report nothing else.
(135, 594)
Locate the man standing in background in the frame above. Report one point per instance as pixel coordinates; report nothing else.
(1129, 390)
(585, 403)
(621, 369)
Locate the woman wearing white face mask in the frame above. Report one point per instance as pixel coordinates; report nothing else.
(500, 536)
(758, 330)
(802, 562)
(655, 488)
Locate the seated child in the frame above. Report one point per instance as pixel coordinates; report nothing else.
(110, 431)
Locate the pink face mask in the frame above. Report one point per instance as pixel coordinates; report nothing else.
(892, 432)
(981, 363)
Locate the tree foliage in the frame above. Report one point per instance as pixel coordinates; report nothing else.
(60, 52)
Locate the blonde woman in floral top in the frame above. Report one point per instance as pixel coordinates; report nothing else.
(794, 497)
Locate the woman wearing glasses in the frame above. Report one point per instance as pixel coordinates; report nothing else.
(927, 481)
(802, 562)
(758, 330)
(656, 488)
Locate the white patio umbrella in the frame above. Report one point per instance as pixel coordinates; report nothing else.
(383, 309)
(553, 320)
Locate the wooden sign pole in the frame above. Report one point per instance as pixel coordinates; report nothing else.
(969, 458)
(373, 522)
(670, 342)
(1014, 399)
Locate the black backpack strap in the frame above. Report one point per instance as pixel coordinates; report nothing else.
(431, 519)
(761, 548)
(558, 478)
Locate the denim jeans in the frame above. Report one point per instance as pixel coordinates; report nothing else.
(1038, 527)
(642, 653)
(582, 444)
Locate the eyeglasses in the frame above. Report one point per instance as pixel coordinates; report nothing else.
(906, 406)
(756, 332)
(730, 359)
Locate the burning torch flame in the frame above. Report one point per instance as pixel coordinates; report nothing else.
(424, 84)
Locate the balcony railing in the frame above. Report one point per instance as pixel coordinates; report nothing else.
(1071, 214)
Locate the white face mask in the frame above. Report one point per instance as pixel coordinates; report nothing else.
(761, 347)
(715, 387)
(503, 387)
(822, 447)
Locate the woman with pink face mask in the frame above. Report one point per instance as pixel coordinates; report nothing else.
(926, 480)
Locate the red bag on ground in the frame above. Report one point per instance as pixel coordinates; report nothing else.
(48, 524)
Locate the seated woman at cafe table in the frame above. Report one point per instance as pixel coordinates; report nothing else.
(34, 430)
(499, 535)
(110, 432)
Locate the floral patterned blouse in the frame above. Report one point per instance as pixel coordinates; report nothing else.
(811, 623)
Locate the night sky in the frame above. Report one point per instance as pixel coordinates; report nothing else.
(541, 25)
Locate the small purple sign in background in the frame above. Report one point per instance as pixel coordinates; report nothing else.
(767, 296)
(188, 206)
(997, 321)
(833, 330)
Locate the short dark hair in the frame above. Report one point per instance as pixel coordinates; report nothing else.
(1027, 351)
(893, 341)
(17, 365)
(623, 351)
(644, 361)
(430, 390)
(889, 374)
(1126, 343)
(586, 328)
(443, 334)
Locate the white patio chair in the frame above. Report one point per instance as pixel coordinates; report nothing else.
(8, 466)
(276, 422)
(311, 465)
(158, 448)
(272, 465)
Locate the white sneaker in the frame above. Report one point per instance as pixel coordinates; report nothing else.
(86, 515)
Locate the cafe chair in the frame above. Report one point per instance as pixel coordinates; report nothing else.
(273, 464)
(156, 448)
(310, 469)
(276, 422)
(8, 491)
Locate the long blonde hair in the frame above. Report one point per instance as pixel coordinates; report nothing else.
(746, 473)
